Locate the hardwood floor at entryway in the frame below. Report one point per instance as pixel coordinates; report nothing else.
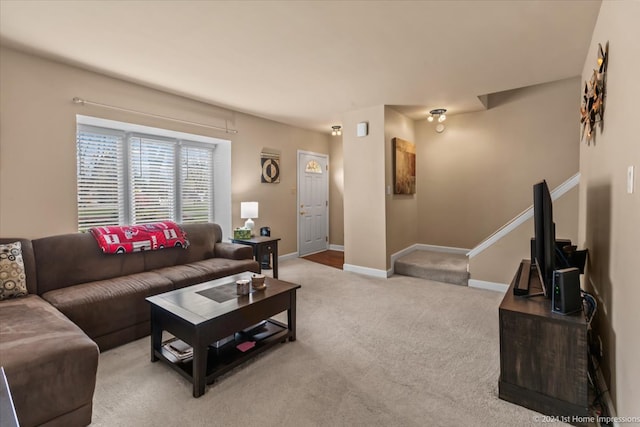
(331, 258)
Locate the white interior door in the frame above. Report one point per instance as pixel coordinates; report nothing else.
(313, 202)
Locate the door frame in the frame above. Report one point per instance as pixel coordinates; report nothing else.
(326, 179)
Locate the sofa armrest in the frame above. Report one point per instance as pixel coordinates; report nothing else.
(232, 251)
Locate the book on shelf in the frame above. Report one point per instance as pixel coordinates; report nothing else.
(177, 350)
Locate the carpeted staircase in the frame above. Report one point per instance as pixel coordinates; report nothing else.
(438, 266)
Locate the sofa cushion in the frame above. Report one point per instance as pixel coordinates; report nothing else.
(75, 258)
(106, 306)
(202, 239)
(13, 280)
(208, 269)
(50, 363)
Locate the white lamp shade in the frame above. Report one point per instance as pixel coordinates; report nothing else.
(248, 210)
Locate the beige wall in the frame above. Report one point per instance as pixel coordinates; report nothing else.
(278, 202)
(499, 262)
(38, 152)
(364, 190)
(471, 179)
(478, 174)
(401, 210)
(609, 222)
(336, 192)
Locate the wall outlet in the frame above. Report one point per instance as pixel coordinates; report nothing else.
(630, 177)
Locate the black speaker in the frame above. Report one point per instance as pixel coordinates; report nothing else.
(566, 291)
(266, 258)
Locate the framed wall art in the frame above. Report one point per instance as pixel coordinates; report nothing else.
(404, 166)
(270, 164)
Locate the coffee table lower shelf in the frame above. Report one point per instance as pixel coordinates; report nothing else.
(225, 358)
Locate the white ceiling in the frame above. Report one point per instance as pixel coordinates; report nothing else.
(305, 63)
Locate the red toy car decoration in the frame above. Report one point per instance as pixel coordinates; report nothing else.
(118, 239)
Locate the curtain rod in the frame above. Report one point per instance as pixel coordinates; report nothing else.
(81, 101)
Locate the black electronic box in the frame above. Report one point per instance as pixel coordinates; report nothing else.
(566, 291)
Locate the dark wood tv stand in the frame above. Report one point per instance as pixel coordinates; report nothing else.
(543, 356)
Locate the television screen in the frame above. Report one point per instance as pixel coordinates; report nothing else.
(544, 235)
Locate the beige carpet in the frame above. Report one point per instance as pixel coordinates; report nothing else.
(432, 265)
(370, 352)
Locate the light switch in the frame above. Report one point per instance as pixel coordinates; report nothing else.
(630, 179)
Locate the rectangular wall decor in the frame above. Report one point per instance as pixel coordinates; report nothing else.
(270, 164)
(404, 166)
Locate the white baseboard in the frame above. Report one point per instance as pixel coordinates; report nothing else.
(492, 286)
(285, 257)
(402, 253)
(336, 248)
(436, 248)
(374, 272)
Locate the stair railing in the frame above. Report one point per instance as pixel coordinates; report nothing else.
(523, 216)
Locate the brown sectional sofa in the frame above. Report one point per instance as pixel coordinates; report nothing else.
(49, 362)
(80, 300)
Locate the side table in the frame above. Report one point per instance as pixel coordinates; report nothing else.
(543, 356)
(263, 245)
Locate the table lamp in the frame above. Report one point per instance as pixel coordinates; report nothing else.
(248, 211)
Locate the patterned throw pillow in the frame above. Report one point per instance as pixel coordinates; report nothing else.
(13, 280)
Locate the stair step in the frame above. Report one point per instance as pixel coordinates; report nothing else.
(439, 266)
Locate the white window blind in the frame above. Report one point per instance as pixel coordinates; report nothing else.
(100, 199)
(196, 184)
(152, 169)
(132, 178)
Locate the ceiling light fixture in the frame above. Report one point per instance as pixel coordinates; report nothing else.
(337, 130)
(439, 113)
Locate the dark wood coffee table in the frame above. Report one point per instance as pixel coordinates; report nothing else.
(204, 314)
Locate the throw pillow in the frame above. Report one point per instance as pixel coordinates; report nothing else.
(13, 280)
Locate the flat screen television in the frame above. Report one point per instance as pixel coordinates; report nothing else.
(545, 235)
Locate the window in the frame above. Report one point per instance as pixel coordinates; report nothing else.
(313, 167)
(129, 177)
(100, 183)
(152, 187)
(196, 164)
